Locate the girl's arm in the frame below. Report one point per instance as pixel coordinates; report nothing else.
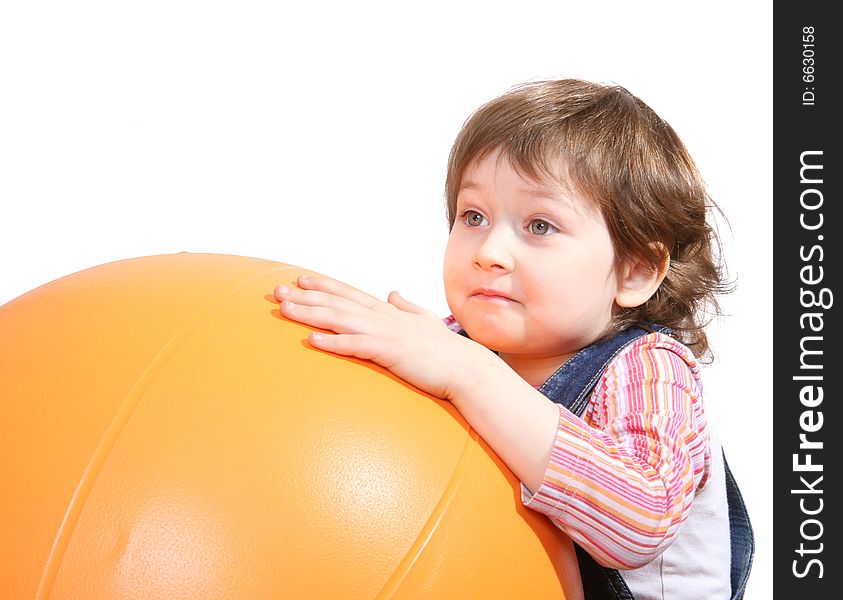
(517, 421)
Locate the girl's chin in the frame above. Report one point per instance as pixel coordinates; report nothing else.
(493, 338)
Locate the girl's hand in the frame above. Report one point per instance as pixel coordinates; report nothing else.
(515, 420)
(410, 341)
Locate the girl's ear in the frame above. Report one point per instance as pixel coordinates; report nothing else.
(638, 280)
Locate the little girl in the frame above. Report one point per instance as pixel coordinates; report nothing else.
(577, 269)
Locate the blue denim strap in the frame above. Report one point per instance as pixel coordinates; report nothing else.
(572, 383)
(740, 533)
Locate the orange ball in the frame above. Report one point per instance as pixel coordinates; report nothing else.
(166, 434)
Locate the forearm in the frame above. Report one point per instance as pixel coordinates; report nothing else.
(517, 421)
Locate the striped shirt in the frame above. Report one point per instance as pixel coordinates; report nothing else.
(621, 480)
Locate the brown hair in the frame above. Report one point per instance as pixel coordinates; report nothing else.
(616, 151)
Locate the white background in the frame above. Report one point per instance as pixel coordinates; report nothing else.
(318, 136)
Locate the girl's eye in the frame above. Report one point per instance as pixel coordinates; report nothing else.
(472, 218)
(540, 227)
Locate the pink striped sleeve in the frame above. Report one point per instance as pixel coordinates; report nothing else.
(620, 482)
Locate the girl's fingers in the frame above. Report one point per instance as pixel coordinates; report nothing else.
(398, 301)
(344, 344)
(336, 288)
(310, 297)
(324, 317)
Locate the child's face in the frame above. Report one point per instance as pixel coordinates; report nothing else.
(529, 266)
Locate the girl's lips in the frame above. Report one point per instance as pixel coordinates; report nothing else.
(485, 294)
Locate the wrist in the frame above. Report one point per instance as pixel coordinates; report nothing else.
(476, 368)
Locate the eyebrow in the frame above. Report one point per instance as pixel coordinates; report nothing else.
(539, 192)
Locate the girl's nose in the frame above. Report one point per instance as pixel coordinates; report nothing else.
(493, 252)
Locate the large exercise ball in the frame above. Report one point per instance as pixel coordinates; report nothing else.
(166, 434)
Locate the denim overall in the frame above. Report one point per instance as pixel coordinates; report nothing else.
(571, 386)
